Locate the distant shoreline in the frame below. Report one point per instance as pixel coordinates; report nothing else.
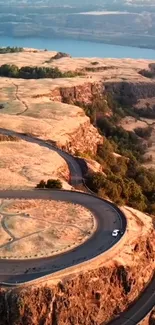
(81, 39)
(79, 47)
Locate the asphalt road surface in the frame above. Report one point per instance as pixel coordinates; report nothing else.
(108, 217)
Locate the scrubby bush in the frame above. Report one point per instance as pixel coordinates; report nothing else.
(54, 183)
(51, 183)
(143, 132)
(94, 62)
(42, 184)
(96, 181)
(147, 73)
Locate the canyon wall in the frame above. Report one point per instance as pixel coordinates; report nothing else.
(128, 92)
(83, 94)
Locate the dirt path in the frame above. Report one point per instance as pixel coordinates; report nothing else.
(20, 100)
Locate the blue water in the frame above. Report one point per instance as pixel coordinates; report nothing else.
(80, 48)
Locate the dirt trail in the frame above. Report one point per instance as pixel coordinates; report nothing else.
(20, 100)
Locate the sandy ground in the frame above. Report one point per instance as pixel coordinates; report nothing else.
(23, 165)
(48, 227)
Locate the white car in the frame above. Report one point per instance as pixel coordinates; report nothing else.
(116, 232)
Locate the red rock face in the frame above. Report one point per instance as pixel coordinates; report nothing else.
(82, 94)
(89, 297)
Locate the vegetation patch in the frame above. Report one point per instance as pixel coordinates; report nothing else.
(126, 180)
(51, 183)
(12, 71)
(148, 73)
(97, 69)
(8, 49)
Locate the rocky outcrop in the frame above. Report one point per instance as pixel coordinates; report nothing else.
(61, 55)
(79, 94)
(93, 296)
(85, 140)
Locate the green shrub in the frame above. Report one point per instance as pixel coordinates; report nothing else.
(54, 183)
(27, 72)
(42, 184)
(96, 181)
(143, 132)
(51, 183)
(8, 49)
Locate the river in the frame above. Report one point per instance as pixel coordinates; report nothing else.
(78, 48)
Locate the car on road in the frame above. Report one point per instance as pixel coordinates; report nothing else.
(116, 232)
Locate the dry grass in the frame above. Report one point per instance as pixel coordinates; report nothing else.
(122, 68)
(24, 164)
(39, 114)
(48, 227)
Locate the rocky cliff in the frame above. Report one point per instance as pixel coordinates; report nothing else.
(122, 77)
(84, 139)
(126, 92)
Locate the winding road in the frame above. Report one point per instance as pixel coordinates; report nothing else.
(108, 217)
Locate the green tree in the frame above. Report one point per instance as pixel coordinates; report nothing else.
(42, 184)
(95, 181)
(136, 199)
(54, 183)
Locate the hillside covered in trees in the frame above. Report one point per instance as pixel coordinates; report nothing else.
(125, 180)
